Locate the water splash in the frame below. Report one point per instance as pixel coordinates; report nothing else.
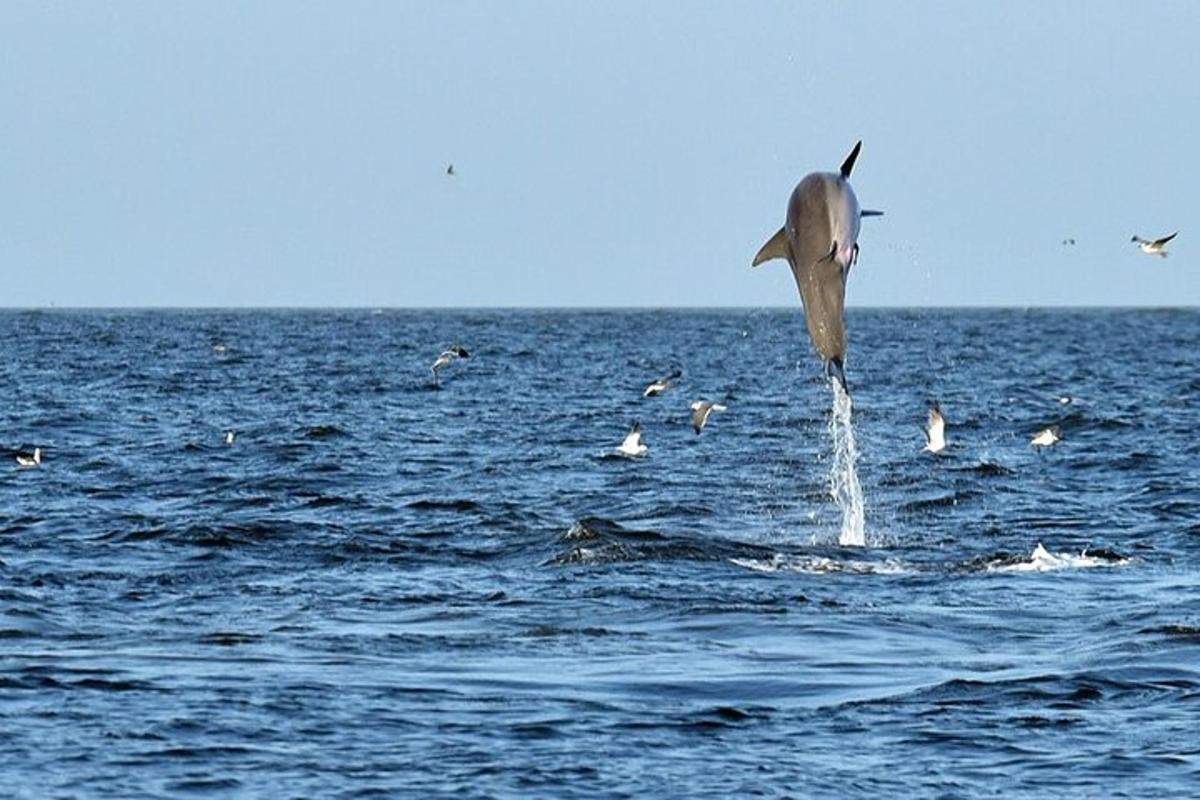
(844, 486)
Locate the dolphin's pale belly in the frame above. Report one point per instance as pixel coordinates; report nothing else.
(823, 224)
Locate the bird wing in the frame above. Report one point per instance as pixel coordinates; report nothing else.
(1165, 239)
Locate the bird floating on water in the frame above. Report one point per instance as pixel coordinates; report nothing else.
(230, 436)
(662, 384)
(935, 431)
(448, 356)
(1158, 247)
(30, 459)
(700, 411)
(633, 446)
(1047, 437)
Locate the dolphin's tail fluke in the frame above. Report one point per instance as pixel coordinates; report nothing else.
(835, 369)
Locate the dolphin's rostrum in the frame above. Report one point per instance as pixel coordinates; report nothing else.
(820, 241)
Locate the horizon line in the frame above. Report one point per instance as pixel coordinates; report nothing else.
(796, 307)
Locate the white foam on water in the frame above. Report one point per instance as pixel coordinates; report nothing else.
(1042, 560)
(844, 486)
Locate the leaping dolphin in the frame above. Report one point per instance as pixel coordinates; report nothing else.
(820, 241)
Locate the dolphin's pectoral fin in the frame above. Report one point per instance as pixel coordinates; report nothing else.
(776, 247)
(868, 213)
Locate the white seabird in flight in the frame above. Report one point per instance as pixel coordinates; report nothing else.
(633, 446)
(1158, 247)
(447, 357)
(662, 384)
(935, 431)
(700, 411)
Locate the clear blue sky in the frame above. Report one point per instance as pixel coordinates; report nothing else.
(607, 154)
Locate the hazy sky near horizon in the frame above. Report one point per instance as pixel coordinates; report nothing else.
(606, 154)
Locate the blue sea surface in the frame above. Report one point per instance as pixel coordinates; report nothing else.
(384, 588)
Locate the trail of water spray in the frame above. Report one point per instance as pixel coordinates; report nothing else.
(843, 475)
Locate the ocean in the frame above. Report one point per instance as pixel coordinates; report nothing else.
(387, 588)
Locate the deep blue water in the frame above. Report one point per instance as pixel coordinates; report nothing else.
(384, 590)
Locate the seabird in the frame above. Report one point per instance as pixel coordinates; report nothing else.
(1068, 241)
(632, 446)
(446, 358)
(935, 431)
(30, 459)
(662, 384)
(229, 436)
(450, 169)
(820, 241)
(1047, 437)
(700, 411)
(1156, 248)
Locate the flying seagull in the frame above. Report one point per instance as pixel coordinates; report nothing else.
(30, 459)
(662, 384)
(935, 431)
(450, 169)
(1047, 437)
(820, 242)
(448, 356)
(632, 446)
(700, 411)
(1156, 248)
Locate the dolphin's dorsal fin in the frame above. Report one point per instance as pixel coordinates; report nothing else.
(776, 247)
(848, 164)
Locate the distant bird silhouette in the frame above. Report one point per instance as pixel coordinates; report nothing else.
(1047, 437)
(662, 384)
(450, 170)
(1156, 248)
(700, 411)
(1068, 241)
(448, 356)
(30, 459)
(633, 445)
(935, 431)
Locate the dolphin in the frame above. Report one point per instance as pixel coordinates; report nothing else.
(820, 241)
